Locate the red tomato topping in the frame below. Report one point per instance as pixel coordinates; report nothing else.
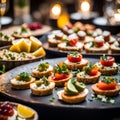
(93, 71)
(74, 59)
(99, 44)
(59, 76)
(106, 86)
(73, 42)
(108, 61)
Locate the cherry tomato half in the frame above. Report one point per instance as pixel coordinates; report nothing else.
(73, 42)
(93, 71)
(106, 86)
(59, 76)
(77, 58)
(99, 44)
(108, 61)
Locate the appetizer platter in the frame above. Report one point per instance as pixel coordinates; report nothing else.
(63, 87)
(22, 50)
(16, 111)
(36, 29)
(83, 38)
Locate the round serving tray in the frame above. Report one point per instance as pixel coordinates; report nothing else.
(10, 64)
(26, 96)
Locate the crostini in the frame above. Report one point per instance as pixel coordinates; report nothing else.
(74, 92)
(75, 61)
(42, 87)
(43, 69)
(90, 74)
(108, 86)
(107, 65)
(22, 81)
(60, 75)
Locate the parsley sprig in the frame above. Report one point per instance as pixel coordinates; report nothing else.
(109, 80)
(24, 76)
(61, 69)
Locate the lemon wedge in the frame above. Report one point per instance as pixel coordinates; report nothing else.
(14, 48)
(35, 43)
(39, 52)
(24, 111)
(25, 45)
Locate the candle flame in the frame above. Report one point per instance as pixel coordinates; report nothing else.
(56, 10)
(85, 6)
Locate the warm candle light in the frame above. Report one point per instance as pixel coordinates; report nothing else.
(117, 17)
(85, 7)
(63, 20)
(55, 11)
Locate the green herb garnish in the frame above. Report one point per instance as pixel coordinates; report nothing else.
(3, 70)
(92, 44)
(6, 37)
(43, 66)
(61, 69)
(103, 57)
(74, 54)
(1, 34)
(24, 76)
(51, 99)
(75, 72)
(23, 30)
(45, 80)
(109, 80)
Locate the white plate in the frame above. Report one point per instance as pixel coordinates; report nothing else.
(6, 20)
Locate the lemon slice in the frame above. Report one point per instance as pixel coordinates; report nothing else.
(24, 111)
(25, 45)
(35, 43)
(14, 48)
(39, 52)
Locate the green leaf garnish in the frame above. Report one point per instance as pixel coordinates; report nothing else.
(92, 44)
(51, 99)
(103, 57)
(109, 80)
(23, 29)
(24, 76)
(3, 70)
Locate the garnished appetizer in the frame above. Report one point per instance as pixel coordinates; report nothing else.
(72, 44)
(75, 61)
(89, 75)
(42, 87)
(84, 37)
(22, 32)
(61, 74)
(74, 92)
(55, 38)
(107, 37)
(43, 69)
(97, 46)
(6, 38)
(108, 86)
(115, 47)
(107, 65)
(22, 81)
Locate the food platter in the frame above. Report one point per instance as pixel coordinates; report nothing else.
(57, 52)
(15, 105)
(15, 63)
(39, 32)
(25, 95)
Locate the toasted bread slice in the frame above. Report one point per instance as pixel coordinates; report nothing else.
(16, 84)
(98, 91)
(41, 92)
(87, 79)
(76, 98)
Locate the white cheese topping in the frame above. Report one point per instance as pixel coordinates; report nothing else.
(81, 33)
(72, 36)
(106, 33)
(42, 86)
(98, 31)
(99, 39)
